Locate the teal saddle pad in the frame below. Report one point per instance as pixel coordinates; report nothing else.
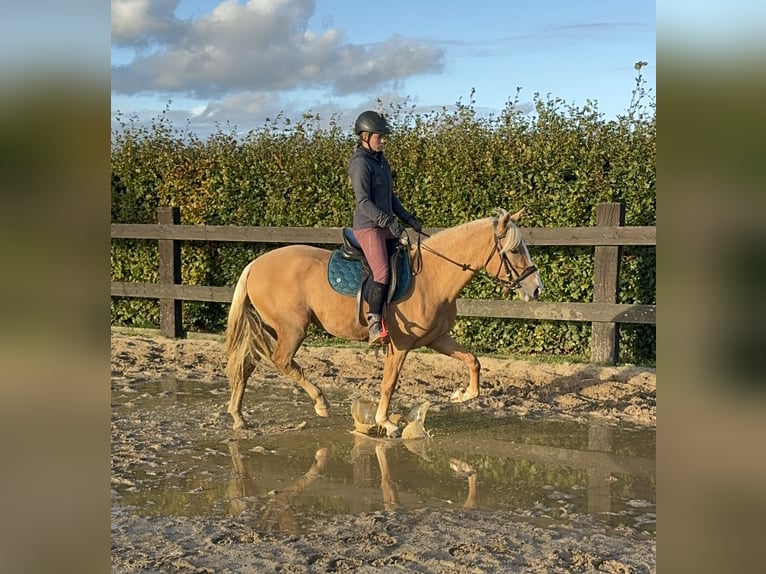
(345, 275)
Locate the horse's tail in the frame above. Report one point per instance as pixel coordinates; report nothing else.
(247, 341)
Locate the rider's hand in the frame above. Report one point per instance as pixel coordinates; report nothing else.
(396, 228)
(415, 224)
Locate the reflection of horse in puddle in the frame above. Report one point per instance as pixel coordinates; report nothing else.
(366, 447)
(464, 470)
(278, 513)
(368, 456)
(381, 474)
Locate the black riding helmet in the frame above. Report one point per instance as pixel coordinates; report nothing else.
(372, 122)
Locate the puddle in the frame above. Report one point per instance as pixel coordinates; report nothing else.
(173, 455)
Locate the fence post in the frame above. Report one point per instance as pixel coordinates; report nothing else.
(170, 274)
(606, 270)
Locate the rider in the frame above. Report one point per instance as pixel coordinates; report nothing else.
(375, 208)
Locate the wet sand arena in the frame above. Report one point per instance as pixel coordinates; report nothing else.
(491, 490)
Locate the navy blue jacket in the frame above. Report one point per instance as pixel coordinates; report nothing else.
(375, 202)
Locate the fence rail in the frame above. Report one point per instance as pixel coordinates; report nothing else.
(607, 238)
(568, 236)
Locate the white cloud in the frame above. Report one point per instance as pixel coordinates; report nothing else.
(138, 22)
(257, 46)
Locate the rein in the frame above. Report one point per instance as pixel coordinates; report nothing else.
(513, 279)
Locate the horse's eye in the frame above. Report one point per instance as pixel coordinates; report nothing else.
(514, 251)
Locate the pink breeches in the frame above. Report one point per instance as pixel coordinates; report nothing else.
(373, 242)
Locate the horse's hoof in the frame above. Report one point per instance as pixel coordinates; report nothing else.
(462, 395)
(394, 432)
(322, 408)
(240, 424)
(460, 468)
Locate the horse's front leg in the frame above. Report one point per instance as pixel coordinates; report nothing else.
(391, 369)
(446, 345)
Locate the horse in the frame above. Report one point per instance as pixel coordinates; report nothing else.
(280, 293)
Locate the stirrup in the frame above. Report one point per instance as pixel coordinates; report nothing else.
(376, 334)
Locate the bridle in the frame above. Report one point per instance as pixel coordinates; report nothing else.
(512, 279)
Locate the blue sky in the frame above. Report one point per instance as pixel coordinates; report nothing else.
(240, 61)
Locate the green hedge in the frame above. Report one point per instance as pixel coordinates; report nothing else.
(450, 166)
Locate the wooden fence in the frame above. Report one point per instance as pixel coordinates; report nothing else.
(607, 238)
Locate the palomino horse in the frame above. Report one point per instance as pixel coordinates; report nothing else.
(283, 291)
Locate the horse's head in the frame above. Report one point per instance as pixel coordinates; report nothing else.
(513, 265)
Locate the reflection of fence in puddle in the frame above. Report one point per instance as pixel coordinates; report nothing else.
(599, 490)
(377, 483)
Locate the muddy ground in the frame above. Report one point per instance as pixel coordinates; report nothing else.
(395, 540)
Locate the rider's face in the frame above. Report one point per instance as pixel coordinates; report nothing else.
(376, 142)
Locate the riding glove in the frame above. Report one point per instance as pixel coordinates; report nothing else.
(396, 228)
(414, 223)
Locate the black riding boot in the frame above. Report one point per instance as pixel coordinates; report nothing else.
(375, 298)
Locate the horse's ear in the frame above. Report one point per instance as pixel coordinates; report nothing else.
(516, 217)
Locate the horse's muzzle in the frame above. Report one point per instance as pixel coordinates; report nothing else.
(527, 297)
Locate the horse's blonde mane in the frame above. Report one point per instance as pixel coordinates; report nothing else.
(512, 237)
(450, 234)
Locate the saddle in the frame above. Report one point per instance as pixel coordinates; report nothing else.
(349, 273)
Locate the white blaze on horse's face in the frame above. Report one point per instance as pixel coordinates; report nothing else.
(531, 287)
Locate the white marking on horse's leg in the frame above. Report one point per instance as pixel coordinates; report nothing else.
(461, 396)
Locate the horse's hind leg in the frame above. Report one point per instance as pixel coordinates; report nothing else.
(237, 392)
(287, 345)
(321, 405)
(446, 345)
